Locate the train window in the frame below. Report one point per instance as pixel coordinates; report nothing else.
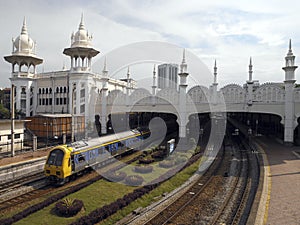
(81, 158)
(56, 157)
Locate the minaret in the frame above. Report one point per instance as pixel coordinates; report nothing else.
(289, 83)
(182, 96)
(23, 57)
(250, 85)
(154, 82)
(215, 84)
(81, 50)
(103, 117)
(154, 86)
(128, 87)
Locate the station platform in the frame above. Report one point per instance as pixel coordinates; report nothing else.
(283, 205)
(23, 157)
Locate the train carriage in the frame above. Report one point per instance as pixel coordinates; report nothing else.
(65, 161)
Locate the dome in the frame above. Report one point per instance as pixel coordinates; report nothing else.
(23, 43)
(81, 38)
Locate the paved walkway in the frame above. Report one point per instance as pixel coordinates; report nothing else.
(284, 207)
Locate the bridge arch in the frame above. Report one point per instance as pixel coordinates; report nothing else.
(234, 93)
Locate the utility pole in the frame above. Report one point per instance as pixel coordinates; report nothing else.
(12, 105)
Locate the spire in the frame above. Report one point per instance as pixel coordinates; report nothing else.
(24, 27)
(81, 25)
(104, 71)
(290, 52)
(215, 72)
(183, 65)
(128, 74)
(250, 69)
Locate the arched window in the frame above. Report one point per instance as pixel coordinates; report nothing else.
(50, 90)
(57, 90)
(60, 89)
(65, 89)
(40, 91)
(46, 90)
(43, 90)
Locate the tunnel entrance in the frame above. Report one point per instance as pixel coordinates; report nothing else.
(260, 123)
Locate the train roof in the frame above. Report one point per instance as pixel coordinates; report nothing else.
(82, 145)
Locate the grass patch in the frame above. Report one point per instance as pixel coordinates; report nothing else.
(154, 195)
(94, 196)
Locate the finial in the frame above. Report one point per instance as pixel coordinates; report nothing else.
(250, 61)
(183, 57)
(154, 69)
(24, 27)
(104, 67)
(81, 25)
(290, 47)
(215, 72)
(128, 72)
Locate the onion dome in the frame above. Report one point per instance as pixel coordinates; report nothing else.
(23, 44)
(81, 38)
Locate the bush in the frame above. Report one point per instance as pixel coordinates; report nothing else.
(146, 160)
(143, 169)
(134, 180)
(181, 159)
(166, 164)
(68, 207)
(116, 176)
(158, 155)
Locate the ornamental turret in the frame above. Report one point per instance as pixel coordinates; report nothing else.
(81, 50)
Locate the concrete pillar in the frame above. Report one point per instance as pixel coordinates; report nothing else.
(34, 144)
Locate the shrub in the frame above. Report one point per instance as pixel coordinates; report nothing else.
(146, 160)
(166, 164)
(143, 169)
(158, 154)
(134, 180)
(68, 207)
(116, 176)
(181, 159)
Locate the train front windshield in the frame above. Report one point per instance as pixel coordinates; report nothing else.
(56, 157)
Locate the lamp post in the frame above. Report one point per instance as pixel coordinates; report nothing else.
(46, 124)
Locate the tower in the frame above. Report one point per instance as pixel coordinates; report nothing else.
(23, 57)
(167, 76)
(154, 87)
(81, 50)
(215, 84)
(103, 116)
(182, 97)
(250, 85)
(289, 82)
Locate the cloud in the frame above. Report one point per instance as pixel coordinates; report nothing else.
(230, 31)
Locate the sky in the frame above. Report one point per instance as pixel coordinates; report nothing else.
(227, 31)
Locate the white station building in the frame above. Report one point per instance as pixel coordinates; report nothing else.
(74, 90)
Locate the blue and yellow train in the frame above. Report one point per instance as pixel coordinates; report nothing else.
(64, 162)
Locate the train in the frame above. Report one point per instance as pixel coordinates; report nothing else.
(66, 161)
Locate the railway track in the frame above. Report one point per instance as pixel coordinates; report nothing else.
(225, 196)
(36, 186)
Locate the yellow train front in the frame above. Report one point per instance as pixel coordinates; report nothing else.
(65, 161)
(58, 166)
